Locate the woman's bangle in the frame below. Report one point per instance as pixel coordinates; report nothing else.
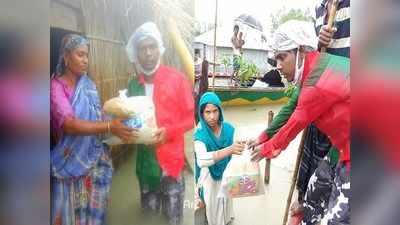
(108, 127)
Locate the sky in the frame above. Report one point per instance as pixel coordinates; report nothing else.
(228, 10)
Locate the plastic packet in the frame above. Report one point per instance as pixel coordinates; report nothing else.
(137, 112)
(242, 177)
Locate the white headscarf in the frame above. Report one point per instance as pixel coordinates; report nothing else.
(293, 34)
(146, 30)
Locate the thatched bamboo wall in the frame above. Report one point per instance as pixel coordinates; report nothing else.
(109, 66)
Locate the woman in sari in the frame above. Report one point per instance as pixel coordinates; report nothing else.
(213, 149)
(81, 167)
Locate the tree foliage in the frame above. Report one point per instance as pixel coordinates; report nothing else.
(284, 15)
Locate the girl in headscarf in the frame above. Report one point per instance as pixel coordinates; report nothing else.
(81, 167)
(214, 147)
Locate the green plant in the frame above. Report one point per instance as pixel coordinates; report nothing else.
(247, 70)
(225, 60)
(283, 15)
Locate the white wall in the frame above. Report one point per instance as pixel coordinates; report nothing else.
(258, 57)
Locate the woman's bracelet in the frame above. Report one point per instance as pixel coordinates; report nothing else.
(108, 127)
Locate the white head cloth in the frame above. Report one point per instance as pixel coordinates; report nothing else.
(293, 34)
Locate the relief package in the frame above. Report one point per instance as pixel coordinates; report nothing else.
(137, 112)
(242, 177)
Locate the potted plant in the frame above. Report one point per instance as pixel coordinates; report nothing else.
(246, 72)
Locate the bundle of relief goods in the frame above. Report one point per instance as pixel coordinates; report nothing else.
(242, 177)
(136, 112)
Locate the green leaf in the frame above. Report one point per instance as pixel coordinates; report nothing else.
(247, 70)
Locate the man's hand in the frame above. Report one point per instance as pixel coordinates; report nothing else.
(160, 136)
(258, 153)
(133, 136)
(252, 143)
(325, 36)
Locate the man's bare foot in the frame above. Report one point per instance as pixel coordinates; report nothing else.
(296, 208)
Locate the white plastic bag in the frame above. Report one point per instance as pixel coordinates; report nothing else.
(137, 112)
(123, 106)
(260, 84)
(242, 177)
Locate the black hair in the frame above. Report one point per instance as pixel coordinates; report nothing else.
(203, 107)
(61, 65)
(272, 62)
(273, 78)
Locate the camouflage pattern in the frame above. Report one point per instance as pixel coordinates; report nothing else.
(339, 204)
(318, 192)
(327, 197)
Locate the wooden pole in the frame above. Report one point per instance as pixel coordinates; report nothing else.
(215, 42)
(331, 18)
(268, 161)
(295, 175)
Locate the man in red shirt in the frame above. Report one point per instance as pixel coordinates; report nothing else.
(324, 99)
(159, 167)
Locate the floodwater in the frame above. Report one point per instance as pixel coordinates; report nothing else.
(124, 207)
(266, 209)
